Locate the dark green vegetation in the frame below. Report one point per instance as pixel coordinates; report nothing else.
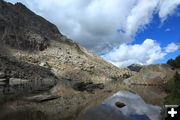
(172, 87)
(174, 63)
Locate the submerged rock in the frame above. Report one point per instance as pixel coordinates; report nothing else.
(119, 104)
(42, 98)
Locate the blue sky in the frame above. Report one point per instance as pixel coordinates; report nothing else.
(123, 32)
(162, 33)
(165, 33)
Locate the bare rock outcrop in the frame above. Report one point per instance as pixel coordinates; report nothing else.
(152, 75)
(135, 67)
(20, 28)
(37, 60)
(20, 78)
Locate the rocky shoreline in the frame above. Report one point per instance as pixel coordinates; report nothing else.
(45, 73)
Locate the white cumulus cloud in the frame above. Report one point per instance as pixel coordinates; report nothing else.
(167, 7)
(108, 26)
(94, 23)
(172, 47)
(146, 53)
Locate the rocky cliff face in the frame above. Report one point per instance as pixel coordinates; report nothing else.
(41, 50)
(38, 63)
(21, 29)
(50, 74)
(20, 77)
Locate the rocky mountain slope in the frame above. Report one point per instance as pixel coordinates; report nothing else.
(42, 70)
(31, 41)
(44, 73)
(152, 75)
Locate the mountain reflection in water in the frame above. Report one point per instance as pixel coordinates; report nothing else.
(136, 109)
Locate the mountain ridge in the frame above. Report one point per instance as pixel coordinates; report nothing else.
(38, 63)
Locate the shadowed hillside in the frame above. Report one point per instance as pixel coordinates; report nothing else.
(45, 73)
(41, 69)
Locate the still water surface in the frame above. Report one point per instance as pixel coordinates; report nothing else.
(142, 106)
(136, 109)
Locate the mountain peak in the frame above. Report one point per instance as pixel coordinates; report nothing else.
(20, 28)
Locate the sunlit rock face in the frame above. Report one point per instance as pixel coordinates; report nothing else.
(27, 40)
(152, 75)
(45, 69)
(39, 68)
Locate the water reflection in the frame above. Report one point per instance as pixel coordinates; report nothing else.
(22, 115)
(150, 94)
(136, 109)
(135, 106)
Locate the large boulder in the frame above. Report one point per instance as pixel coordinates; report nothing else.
(19, 77)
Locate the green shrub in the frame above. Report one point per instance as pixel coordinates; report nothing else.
(172, 87)
(174, 63)
(169, 86)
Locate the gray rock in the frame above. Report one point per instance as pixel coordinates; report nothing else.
(22, 77)
(42, 98)
(2, 80)
(20, 28)
(135, 67)
(16, 81)
(120, 104)
(2, 75)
